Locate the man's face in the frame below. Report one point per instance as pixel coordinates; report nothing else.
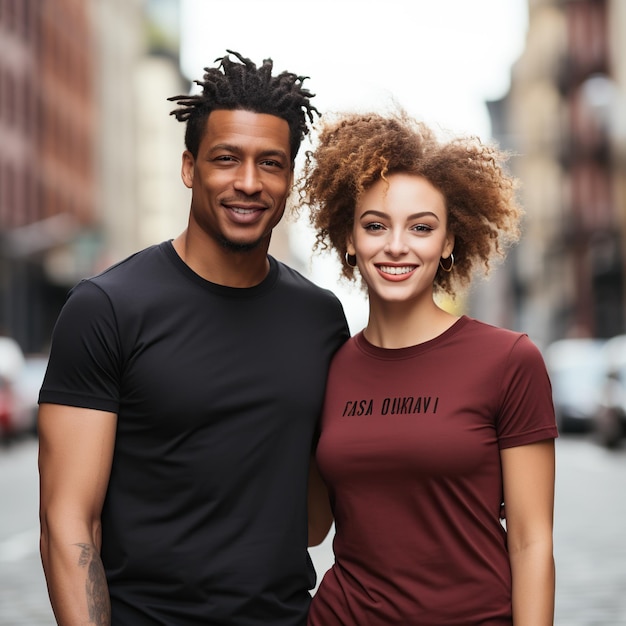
(241, 178)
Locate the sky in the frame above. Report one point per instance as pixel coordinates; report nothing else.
(438, 59)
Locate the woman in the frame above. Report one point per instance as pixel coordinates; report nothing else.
(431, 420)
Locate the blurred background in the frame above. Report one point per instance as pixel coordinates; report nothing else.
(89, 173)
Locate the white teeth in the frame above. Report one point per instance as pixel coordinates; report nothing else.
(243, 211)
(405, 269)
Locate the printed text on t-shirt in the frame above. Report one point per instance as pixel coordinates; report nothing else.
(392, 406)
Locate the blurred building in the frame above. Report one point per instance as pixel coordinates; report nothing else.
(47, 177)
(564, 117)
(89, 156)
(143, 200)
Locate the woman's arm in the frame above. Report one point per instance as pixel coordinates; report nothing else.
(320, 513)
(528, 475)
(75, 455)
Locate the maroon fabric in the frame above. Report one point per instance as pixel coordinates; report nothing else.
(410, 449)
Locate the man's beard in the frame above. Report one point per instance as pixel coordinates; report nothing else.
(233, 246)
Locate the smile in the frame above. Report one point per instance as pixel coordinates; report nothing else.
(395, 270)
(243, 215)
(243, 211)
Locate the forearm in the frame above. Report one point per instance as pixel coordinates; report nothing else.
(533, 574)
(319, 526)
(75, 456)
(319, 512)
(76, 581)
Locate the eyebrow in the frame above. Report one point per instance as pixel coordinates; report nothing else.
(413, 216)
(229, 147)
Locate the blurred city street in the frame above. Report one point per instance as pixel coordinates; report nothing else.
(590, 543)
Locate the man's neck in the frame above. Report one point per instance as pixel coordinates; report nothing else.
(223, 266)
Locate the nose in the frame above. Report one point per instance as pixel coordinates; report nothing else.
(248, 180)
(396, 245)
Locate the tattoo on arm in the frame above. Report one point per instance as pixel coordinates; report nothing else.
(96, 589)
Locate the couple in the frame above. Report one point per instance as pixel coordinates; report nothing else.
(180, 415)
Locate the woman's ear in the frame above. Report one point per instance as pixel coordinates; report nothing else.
(448, 247)
(350, 249)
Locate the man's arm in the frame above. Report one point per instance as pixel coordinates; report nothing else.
(528, 474)
(320, 514)
(75, 454)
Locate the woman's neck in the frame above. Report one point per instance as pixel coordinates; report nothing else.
(403, 324)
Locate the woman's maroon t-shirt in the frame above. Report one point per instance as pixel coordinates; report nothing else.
(410, 449)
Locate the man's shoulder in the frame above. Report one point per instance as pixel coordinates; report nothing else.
(124, 277)
(133, 263)
(292, 278)
(319, 306)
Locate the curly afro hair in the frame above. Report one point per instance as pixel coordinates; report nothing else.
(232, 86)
(355, 150)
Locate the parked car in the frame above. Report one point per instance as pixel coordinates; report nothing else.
(577, 371)
(11, 358)
(610, 417)
(11, 363)
(6, 408)
(26, 389)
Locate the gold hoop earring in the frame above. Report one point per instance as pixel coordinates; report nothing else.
(350, 260)
(443, 267)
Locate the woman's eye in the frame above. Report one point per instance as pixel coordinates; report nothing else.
(374, 226)
(422, 228)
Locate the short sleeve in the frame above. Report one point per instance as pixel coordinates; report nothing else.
(84, 368)
(526, 412)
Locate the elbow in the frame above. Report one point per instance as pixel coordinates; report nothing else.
(319, 530)
(44, 540)
(315, 539)
(537, 539)
(64, 527)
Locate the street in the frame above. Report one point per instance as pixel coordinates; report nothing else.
(590, 541)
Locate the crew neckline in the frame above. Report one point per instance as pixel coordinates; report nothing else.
(409, 351)
(236, 292)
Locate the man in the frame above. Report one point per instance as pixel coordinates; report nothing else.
(183, 390)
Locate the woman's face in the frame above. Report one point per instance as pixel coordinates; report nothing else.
(399, 236)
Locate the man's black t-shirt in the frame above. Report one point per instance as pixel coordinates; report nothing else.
(218, 391)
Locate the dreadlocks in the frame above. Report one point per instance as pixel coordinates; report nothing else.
(233, 85)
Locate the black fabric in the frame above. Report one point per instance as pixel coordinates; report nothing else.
(217, 391)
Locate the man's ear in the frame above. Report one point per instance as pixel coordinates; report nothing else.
(187, 169)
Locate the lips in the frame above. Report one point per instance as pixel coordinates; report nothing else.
(244, 213)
